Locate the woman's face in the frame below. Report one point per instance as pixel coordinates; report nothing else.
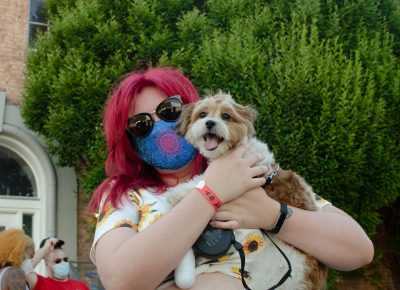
(160, 147)
(147, 101)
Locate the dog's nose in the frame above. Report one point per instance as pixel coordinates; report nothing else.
(210, 124)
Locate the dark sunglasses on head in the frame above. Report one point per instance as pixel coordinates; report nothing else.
(58, 260)
(169, 110)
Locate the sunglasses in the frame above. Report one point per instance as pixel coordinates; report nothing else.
(169, 110)
(58, 260)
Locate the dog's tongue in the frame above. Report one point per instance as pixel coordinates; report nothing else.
(211, 141)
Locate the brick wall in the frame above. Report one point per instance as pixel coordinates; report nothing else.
(14, 22)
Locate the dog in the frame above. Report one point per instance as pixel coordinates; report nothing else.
(217, 124)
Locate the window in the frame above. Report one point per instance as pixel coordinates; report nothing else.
(27, 224)
(16, 177)
(37, 20)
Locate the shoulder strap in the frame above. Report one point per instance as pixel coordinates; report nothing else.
(238, 246)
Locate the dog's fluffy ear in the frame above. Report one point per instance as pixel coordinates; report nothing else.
(184, 121)
(249, 115)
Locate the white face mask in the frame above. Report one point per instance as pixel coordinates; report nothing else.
(61, 270)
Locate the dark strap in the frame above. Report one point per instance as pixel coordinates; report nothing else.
(288, 272)
(281, 219)
(238, 246)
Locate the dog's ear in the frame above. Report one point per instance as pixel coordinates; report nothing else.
(184, 121)
(249, 115)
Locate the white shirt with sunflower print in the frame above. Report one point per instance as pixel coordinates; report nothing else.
(140, 208)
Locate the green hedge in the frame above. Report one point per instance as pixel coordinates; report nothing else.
(324, 76)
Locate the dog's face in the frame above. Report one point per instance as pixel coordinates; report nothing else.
(216, 124)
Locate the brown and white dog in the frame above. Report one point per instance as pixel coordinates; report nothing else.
(217, 124)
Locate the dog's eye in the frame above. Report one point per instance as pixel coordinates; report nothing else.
(203, 115)
(225, 117)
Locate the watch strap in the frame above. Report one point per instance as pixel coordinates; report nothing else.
(281, 219)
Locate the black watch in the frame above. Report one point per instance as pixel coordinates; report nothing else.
(285, 212)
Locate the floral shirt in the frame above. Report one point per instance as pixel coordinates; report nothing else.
(140, 208)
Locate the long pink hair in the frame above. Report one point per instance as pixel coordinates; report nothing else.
(123, 167)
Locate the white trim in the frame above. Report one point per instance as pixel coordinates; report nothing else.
(23, 144)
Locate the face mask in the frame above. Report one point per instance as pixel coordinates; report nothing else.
(61, 270)
(163, 149)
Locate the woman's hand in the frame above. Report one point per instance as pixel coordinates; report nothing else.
(230, 175)
(252, 210)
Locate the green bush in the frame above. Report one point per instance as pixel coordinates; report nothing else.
(324, 76)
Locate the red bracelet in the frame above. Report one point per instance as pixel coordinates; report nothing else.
(209, 195)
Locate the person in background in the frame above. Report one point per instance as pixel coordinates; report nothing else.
(57, 267)
(137, 247)
(16, 250)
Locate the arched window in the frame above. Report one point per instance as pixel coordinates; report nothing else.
(16, 177)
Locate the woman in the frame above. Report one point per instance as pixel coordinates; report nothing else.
(136, 248)
(16, 250)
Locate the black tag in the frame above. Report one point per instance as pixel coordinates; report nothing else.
(213, 242)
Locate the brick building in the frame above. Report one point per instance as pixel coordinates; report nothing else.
(35, 194)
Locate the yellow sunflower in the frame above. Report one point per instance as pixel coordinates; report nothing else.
(133, 197)
(144, 212)
(104, 213)
(156, 217)
(139, 191)
(220, 259)
(126, 224)
(236, 271)
(253, 243)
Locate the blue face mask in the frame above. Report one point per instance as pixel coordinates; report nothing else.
(163, 149)
(61, 270)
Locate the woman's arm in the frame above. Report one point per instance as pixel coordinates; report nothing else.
(126, 259)
(30, 276)
(330, 235)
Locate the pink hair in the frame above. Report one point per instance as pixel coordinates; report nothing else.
(123, 167)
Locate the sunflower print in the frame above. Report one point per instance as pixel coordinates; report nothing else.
(134, 198)
(237, 271)
(144, 212)
(217, 260)
(105, 212)
(253, 243)
(126, 224)
(140, 192)
(156, 217)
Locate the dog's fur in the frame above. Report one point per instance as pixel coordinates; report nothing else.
(217, 124)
